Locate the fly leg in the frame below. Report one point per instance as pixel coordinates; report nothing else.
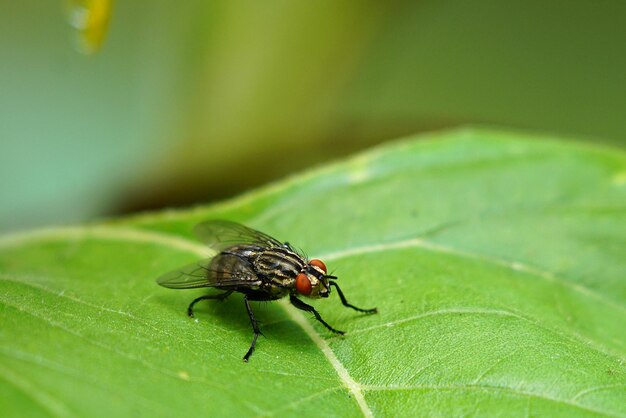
(221, 296)
(308, 308)
(349, 305)
(255, 328)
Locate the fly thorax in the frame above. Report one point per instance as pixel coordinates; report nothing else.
(280, 265)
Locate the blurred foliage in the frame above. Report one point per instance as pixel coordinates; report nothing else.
(189, 102)
(91, 19)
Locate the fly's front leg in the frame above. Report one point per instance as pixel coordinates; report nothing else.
(255, 328)
(308, 308)
(221, 296)
(349, 305)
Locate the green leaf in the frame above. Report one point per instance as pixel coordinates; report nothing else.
(496, 261)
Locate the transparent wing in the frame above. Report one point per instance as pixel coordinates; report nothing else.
(202, 274)
(188, 277)
(219, 235)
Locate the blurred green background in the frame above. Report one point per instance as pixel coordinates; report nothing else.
(189, 102)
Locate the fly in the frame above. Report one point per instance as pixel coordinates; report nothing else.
(262, 268)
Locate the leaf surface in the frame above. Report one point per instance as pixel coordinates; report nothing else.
(496, 261)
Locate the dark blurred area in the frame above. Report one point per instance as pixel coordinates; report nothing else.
(114, 107)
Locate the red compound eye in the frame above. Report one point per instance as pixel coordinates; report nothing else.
(319, 263)
(303, 284)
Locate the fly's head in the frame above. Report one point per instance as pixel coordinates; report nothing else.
(313, 280)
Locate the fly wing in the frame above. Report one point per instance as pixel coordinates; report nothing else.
(222, 271)
(219, 235)
(188, 277)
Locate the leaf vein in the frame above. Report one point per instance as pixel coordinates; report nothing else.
(512, 265)
(48, 402)
(592, 389)
(353, 386)
(510, 390)
(127, 356)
